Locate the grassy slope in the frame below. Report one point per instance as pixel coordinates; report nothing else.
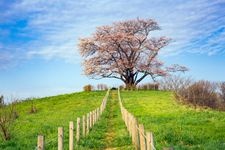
(52, 112)
(174, 124)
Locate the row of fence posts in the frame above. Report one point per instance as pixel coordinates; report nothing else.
(88, 122)
(141, 139)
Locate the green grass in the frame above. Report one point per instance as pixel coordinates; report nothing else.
(110, 131)
(52, 112)
(57, 111)
(176, 125)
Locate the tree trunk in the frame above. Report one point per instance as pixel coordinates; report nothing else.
(130, 83)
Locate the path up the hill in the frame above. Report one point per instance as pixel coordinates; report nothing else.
(110, 132)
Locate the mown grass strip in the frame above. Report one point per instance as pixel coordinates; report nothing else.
(110, 132)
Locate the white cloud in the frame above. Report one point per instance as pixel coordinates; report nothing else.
(55, 26)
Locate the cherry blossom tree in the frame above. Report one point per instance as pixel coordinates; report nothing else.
(125, 51)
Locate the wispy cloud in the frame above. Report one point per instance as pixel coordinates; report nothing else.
(50, 29)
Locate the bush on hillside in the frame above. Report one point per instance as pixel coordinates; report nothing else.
(222, 91)
(197, 93)
(8, 114)
(148, 86)
(201, 93)
(175, 83)
(88, 88)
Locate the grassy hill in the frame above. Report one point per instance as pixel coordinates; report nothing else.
(52, 112)
(173, 124)
(176, 125)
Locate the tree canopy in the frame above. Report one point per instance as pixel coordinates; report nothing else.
(126, 51)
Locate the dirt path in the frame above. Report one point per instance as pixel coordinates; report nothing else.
(110, 132)
(116, 136)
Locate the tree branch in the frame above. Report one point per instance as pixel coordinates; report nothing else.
(141, 78)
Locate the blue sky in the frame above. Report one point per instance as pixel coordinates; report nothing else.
(38, 40)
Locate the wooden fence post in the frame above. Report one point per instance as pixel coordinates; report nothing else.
(40, 142)
(122, 109)
(78, 130)
(94, 117)
(97, 114)
(142, 138)
(88, 123)
(130, 124)
(135, 134)
(91, 118)
(149, 140)
(71, 128)
(84, 125)
(60, 138)
(126, 118)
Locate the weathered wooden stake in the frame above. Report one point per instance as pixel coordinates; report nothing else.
(78, 130)
(71, 128)
(135, 134)
(142, 138)
(149, 141)
(130, 124)
(88, 123)
(94, 115)
(101, 109)
(40, 143)
(60, 138)
(84, 125)
(91, 117)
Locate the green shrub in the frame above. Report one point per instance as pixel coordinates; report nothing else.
(88, 88)
(149, 86)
